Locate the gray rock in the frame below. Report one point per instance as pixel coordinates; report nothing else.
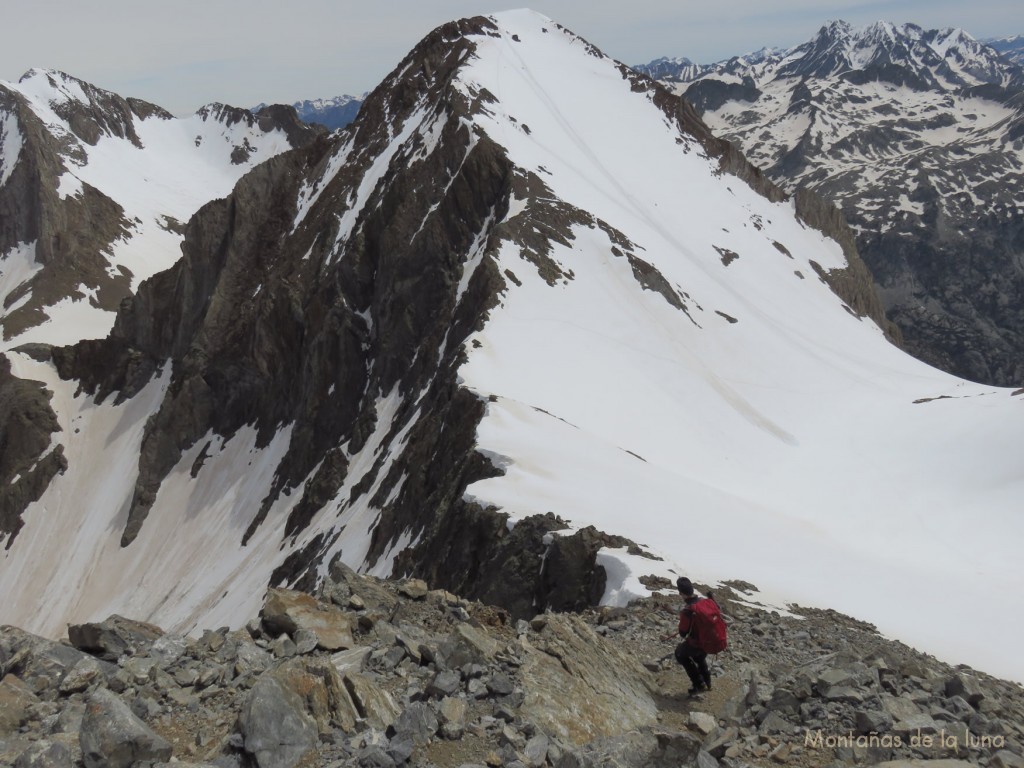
(305, 641)
(445, 683)
(535, 752)
(922, 724)
(468, 645)
(452, 714)
(414, 589)
(167, 649)
(374, 756)
(832, 678)
(704, 760)
(400, 749)
(351, 660)
(872, 721)
(500, 684)
(966, 687)
(567, 663)
(899, 707)
(274, 725)
(45, 754)
(417, 722)
(288, 611)
(114, 637)
(844, 694)
(703, 722)
(1004, 758)
(376, 704)
(113, 737)
(774, 723)
(16, 701)
(716, 744)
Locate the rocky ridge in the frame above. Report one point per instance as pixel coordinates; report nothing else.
(389, 673)
(917, 135)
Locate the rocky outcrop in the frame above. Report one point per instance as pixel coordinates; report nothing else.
(29, 459)
(437, 680)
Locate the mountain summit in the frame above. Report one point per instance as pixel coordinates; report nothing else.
(524, 296)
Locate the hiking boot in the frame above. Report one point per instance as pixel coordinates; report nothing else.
(697, 689)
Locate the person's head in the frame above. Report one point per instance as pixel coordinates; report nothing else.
(684, 586)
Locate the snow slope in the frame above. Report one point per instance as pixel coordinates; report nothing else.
(785, 448)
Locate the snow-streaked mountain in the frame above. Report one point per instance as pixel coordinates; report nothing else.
(96, 191)
(1010, 47)
(525, 284)
(919, 136)
(332, 113)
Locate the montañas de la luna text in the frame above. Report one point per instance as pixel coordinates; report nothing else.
(953, 740)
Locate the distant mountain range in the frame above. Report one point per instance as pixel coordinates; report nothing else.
(1010, 47)
(919, 136)
(332, 113)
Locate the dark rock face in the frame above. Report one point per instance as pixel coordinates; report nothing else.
(27, 424)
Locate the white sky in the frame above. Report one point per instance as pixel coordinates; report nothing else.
(187, 53)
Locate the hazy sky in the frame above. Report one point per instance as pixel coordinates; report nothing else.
(182, 54)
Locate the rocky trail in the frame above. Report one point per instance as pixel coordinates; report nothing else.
(379, 673)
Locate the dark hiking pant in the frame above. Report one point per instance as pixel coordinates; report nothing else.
(695, 662)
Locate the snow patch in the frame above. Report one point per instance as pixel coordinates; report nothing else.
(11, 143)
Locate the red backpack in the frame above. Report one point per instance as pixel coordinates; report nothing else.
(707, 629)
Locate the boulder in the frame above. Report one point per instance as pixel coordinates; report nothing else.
(275, 727)
(452, 714)
(414, 589)
(417, 723)
(113, 638)
(16, 700)
(702, 722)
(289, 611)
(468, 645)
(81, 676)
(376, 704)
(579, 687)
(113, 737)
(39, 662)
(967, 687)
(45, 754)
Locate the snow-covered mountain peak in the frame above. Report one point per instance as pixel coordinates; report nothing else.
(72, 153)
(525, 289)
